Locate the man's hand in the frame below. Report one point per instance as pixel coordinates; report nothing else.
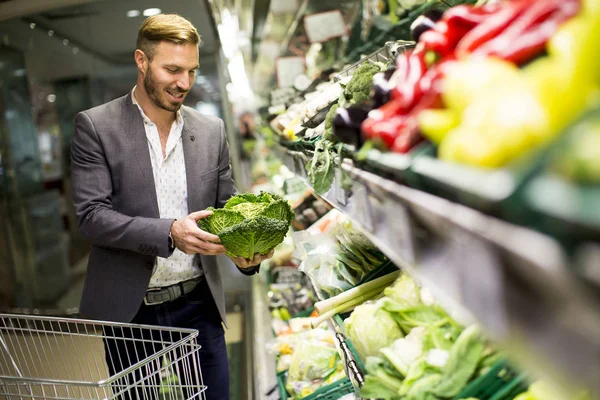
(243, 263)
(190, 239)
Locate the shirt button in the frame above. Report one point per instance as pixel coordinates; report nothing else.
(149, 265)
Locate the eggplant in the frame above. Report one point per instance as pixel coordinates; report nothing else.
(347, 122)
(424, 22)
(382, 87)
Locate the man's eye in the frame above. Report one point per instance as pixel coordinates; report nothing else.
(171, 70)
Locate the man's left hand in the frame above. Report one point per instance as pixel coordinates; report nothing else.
(243, 263)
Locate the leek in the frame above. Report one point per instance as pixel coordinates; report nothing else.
(348, 296)
(343, 307)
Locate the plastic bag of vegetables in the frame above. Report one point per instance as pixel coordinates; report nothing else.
(314, 364)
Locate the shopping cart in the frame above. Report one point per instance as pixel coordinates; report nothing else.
(49, 358)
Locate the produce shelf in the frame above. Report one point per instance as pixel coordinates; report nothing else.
(519, 284)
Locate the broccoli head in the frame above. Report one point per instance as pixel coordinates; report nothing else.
(359, 87)
(328, 134)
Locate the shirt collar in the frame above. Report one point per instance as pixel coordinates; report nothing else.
(178, 120)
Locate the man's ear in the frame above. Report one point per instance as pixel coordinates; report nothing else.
(141, 61)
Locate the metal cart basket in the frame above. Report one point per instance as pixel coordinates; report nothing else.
(49, 358)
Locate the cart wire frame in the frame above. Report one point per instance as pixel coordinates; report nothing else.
(49, 358)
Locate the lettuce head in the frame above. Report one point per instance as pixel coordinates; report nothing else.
(250, 224)
(371, 328)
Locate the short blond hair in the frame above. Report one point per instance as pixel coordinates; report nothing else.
(165, 27)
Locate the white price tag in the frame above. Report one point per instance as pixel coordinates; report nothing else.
(287, 69)
(283, 6)
(321, 27)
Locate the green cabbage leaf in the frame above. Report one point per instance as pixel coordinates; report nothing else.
(249, 224)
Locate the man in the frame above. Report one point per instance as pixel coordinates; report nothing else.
(143, 167)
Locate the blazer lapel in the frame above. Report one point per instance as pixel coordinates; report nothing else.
(133, 126)
(191, 154)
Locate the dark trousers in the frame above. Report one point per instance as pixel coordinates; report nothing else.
(125, 347)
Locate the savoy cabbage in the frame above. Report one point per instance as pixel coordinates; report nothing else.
(250, 224)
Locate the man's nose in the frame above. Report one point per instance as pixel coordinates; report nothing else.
(184, 82)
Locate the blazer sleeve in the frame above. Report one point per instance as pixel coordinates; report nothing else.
(92, 190)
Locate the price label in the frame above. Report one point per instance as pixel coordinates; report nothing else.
(321, 27)
(282, 96)
(283, 6)
(287, 69)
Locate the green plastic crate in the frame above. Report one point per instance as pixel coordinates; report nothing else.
(330, 392)
(333, 391)
(487, 386)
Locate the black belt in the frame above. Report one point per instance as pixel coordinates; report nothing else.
(169, 293)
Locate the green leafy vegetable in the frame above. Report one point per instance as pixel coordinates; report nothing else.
(359, 87)
(321, 168)
(464, 357)
(250, 224)
(382, 382)
(370, 328)
(405, 292)
(328, 134)
(405, 351)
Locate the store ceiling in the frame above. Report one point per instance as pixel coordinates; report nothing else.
(103, 28)
(100, 40)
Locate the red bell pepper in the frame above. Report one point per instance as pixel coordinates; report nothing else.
(406, 90)
(454, 25)
(492, 26)
(533, 42)
(383, 122)
(527, 35)
(408, 138)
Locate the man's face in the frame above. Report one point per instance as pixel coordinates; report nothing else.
(171, 74)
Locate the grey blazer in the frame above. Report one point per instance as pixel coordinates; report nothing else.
(116, 205)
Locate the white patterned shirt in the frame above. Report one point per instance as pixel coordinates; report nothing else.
(171, 192)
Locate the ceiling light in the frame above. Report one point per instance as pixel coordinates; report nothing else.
(32, 25)
(133, 13)
(148, 12)
(51, 98)
(66, 42)
(50, 32)
(75, 50)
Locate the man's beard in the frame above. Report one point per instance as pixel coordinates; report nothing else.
(155, 94)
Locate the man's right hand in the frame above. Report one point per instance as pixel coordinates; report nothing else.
(190, 239)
